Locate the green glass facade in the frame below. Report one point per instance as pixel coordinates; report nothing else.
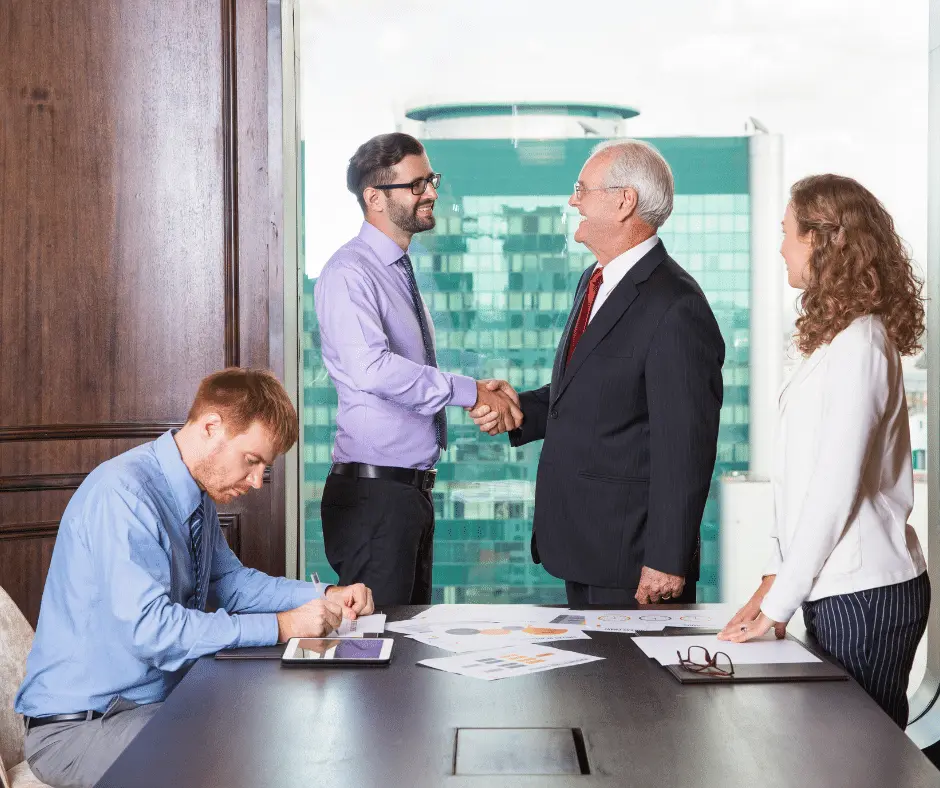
(498, 274)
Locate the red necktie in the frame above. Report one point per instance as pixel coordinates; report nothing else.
(597, 279)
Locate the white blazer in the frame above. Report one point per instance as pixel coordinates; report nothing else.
(842, 479)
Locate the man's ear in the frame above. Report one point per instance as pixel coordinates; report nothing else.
(374, 199)
(210, 425)
(628, 202)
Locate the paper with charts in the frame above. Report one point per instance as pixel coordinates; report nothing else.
(482, 635)
(513, 616)
(528, 614)
(766, 650)
(630, 621)
(507, 662)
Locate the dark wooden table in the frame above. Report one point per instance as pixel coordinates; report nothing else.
(233, 723)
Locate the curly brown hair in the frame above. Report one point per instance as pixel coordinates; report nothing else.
(858, 266)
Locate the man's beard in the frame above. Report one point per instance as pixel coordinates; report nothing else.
(406, 218)
(211, 479)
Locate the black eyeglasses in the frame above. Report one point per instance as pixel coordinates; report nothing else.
(418, 186)
(698, 660)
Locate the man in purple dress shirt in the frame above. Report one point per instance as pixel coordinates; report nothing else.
(378, 346)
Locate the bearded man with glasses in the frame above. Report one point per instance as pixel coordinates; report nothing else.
(377, 340)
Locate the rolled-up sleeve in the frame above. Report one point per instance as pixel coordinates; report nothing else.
(775, 559)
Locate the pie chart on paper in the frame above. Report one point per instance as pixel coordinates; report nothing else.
(544, 631)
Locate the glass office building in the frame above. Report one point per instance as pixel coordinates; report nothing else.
(498, 273)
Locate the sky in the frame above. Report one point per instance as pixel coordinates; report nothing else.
(844, 82)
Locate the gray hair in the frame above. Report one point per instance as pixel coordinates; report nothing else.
(641, 167)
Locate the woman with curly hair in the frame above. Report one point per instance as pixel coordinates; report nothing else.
(843, 482)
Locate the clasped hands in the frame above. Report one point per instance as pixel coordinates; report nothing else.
(319, 617)
(497, 407)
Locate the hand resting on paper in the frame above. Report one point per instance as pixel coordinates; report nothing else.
(749, 622)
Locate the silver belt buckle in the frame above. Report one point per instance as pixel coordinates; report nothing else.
(428, 483)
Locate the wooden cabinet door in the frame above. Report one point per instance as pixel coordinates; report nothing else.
(139, 243)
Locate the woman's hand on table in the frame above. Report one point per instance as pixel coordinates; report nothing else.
(749, 622)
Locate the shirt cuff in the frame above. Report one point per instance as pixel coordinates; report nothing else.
(304, 592)
(256, 629)
(464, 390)
(776, 559)
(776, 607)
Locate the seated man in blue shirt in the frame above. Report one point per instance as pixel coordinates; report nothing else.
(138, 554)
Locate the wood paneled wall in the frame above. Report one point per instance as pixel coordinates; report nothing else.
(139, 242)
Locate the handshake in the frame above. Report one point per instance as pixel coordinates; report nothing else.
(497, 407)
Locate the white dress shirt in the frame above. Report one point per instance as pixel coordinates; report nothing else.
(617, 269)
(842, 478)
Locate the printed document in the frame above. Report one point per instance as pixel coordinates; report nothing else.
(508, 662)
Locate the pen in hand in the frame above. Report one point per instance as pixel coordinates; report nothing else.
(314, 577)
(348, 603)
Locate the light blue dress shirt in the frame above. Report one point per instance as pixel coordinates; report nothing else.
(374, 352)
(114, 618)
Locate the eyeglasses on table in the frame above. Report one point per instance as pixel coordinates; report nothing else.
(699, 660)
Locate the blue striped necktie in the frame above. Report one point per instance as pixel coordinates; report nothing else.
(195, 535)
(440, 419)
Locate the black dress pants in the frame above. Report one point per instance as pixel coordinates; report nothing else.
(380, 532)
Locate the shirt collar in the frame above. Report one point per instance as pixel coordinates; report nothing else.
(185, 491)
(617, 268)
(384, 247)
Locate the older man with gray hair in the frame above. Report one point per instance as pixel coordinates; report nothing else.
(630, 417)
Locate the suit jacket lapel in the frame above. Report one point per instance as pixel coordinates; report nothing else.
(620, 299)
(558, 368)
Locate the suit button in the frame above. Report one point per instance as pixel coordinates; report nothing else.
(554, 414)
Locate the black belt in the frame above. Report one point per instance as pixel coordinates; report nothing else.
(79, 716)
(423, 480)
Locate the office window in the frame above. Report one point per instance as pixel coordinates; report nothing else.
(485, 487)
(499, 270)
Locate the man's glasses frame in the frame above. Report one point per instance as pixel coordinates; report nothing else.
(418, 186)
(698, 660)
(580, 190)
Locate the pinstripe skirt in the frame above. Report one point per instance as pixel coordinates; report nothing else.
(874, 634)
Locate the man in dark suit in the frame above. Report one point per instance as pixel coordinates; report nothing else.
(630, 418)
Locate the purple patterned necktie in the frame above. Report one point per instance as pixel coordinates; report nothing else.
(440, 419)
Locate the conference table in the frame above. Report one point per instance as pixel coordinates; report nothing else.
(241, 723)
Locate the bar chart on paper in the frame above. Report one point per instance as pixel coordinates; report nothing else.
(514, 661)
